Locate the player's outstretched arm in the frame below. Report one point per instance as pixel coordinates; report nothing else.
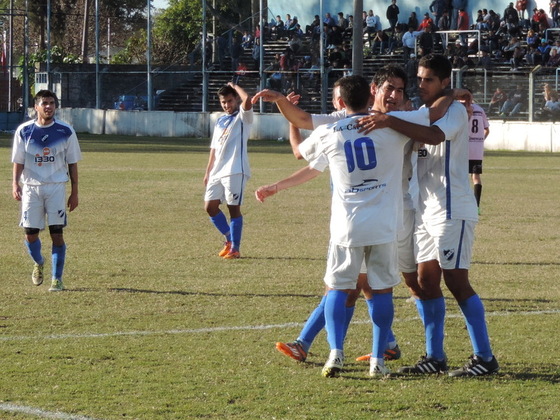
(420, 133)
(417, 132)
(291, 112)
(299, 177)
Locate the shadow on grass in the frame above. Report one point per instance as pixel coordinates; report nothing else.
(360, 372)
(185, 293)
(544, 264)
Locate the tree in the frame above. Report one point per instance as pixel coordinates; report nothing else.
(177, 30)
(67, 23)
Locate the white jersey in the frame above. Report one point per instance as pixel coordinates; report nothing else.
(409, 182)
(366, 176)
(45, 151)
(320, 119)
(443, 171)
(229, 142)
(478, 123)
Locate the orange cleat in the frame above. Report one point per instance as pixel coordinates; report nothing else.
(232, 254)
(293, 350)
(225, 251)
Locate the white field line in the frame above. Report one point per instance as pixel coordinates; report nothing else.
(12, 408)
(241, 328)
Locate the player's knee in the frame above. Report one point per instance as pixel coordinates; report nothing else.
(211, 209)
(31, 231)
(56, 229)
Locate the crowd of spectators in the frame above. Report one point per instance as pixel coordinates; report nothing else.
(515, 37)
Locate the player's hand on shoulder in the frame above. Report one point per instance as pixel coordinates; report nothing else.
(373, 121)
(462, 95)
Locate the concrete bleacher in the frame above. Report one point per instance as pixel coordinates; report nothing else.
(187, 96)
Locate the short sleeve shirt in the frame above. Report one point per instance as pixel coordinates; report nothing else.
(443, 171)
(45, 151)
(478, 123)
(366, 176)
(229, 141)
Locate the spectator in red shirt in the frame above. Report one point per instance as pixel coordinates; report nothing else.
(427, 21)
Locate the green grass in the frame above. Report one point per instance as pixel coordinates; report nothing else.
(155, 326)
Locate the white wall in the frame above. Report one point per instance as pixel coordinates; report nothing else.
(535, 137)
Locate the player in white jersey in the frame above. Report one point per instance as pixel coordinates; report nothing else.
(479, 128)
(445, 236)
(228, 169)
(366, 176)
(45, 156)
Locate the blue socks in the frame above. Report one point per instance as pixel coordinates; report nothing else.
(58, 258)
(432, 312)
(314, 324)
(236, 229)
(232, 231)
(349, 316)
(34, 249)
(221, 224)
(473, 310)
(381, 311)
(335, 318)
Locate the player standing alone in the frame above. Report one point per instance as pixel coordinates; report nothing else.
(228, 166)
(478, 131)
(45, 155)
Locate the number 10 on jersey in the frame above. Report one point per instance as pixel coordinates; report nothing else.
(360, 153)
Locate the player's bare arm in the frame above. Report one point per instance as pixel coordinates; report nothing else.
(295, 141)
(422, 134)
(291, 112)
(297, 178)
(246, 102)
(73, 197)
(209, 166)
(16, 187)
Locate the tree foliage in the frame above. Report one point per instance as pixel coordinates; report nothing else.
(122, 26)
(125, 17)
(178, 29)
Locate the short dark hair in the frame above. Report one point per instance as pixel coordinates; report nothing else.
(354, 91)
(44, 93)
(439, 64)
(388, 71)
(227, 90)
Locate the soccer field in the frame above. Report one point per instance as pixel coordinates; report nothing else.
(155, 326)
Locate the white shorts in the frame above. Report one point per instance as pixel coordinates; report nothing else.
(228, 189)
(343, 266)
(38, 201)
(450, 242)
(405, 242)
